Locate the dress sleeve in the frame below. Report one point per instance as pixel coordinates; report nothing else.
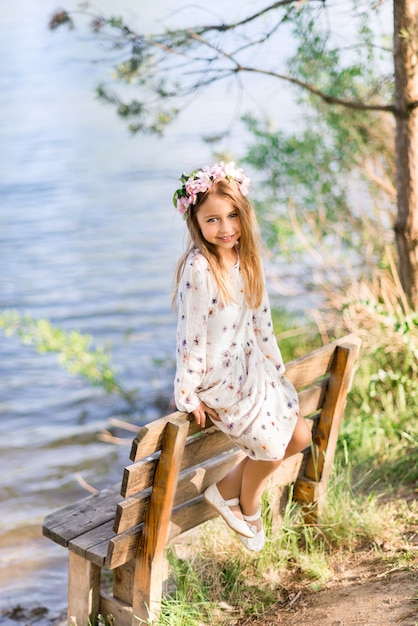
(265, 336)
(191, 335)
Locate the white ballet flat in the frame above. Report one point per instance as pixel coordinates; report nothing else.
(257, 541)
(214, 498)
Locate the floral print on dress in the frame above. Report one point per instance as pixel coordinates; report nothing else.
(228, 357)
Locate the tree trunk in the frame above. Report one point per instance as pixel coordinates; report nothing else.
(406, 101)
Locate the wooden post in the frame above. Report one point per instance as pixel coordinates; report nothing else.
(83, 590)
(150, 566)
(311, 488)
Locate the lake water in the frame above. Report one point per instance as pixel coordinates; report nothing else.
(88, 239)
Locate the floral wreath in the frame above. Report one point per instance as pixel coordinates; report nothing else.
(201, 180)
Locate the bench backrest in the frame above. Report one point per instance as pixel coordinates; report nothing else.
(174, 460)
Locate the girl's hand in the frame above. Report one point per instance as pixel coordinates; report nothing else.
(200, 414)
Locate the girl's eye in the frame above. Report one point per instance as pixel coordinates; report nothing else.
(233, 215)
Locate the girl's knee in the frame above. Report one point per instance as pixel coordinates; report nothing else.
(301, 437)
(303, 433)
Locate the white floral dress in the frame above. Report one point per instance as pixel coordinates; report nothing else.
(228, 357)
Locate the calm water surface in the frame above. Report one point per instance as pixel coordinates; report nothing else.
(88, 239)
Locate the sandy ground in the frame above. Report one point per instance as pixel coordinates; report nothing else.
(363, 596)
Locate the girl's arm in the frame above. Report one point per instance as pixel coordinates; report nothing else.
(265, 336)
(191, 336)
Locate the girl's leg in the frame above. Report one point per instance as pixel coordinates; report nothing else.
(301, 438)
(256, 473)
(254, 478)
(230, 485)
(248, 479)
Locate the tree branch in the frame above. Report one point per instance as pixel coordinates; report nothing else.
(225, 27)
(351, 104)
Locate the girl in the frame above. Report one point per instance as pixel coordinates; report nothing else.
(229, 365)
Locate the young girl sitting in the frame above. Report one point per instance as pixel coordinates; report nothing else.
(229, 365)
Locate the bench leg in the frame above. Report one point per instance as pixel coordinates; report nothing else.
(83, 590)
(147, 600)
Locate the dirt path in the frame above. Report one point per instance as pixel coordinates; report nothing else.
(380, 599)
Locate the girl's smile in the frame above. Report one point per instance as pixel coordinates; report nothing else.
(220, 224)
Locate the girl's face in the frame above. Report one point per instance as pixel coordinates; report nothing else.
(220, 224)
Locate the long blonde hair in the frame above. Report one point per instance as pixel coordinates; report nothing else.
(249, 246)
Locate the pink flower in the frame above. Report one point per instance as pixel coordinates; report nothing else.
(244, 185)
(201, 180)
(182, 205)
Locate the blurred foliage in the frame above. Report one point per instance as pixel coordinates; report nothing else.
(327, 189)
(73, 348)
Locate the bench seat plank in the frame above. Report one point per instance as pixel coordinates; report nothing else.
(67, 523)
(93, 544)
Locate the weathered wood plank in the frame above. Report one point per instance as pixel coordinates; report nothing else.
(67, 523)
(148, 578)
(191, 483)
(123, 547)
(184, 515)
(308, 368)
(209, 442)
(138, 476)
(131, 511)
(150, 437)
(319, 465)
(83, 590)
(93, 544)
(120, 611)
(123, 582)
(311, 399)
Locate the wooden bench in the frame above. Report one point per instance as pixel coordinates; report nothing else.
(126, 528)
